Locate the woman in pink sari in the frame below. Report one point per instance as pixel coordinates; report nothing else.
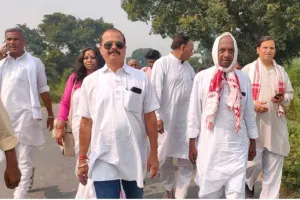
(88, 61)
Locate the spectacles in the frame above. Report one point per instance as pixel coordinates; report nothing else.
(108, 45)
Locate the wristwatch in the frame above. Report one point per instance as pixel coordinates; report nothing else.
(51, 117)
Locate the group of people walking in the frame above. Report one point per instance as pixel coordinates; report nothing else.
(231, 123)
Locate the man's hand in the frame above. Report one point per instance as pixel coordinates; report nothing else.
(59, 135)
(160, 126)
(252, 150)
(82, 172)
(278, 99)
(3, 51)
(152, 165)
(12, 174)
(260, 107)
(50, 122)
(12, 177)
(192, 151)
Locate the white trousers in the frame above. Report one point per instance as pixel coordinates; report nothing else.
(168, 177)
(25, 154)
(272, 165)
(230, 194)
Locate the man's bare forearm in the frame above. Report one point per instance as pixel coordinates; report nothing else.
(151, 128)
(11, 158)
(47, 101)
(85, 133)
(192, 141)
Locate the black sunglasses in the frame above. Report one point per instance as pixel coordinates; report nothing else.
(108, 45)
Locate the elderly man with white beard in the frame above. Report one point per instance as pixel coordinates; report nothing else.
(221, 115)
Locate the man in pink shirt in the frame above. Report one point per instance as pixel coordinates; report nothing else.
(152, 55)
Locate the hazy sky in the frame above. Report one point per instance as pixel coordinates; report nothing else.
(31, 12)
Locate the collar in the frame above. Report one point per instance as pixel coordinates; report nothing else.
(125, 68)
(22, 56)
(176, 59)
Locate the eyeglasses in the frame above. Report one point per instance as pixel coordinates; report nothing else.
(108, 45)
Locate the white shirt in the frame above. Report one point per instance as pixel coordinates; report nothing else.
(119, 139)
(173, 81)
(222, 153)
(15, 94)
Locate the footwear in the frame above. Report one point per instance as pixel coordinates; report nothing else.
(248, 192)
(169, 194)
(32, 178)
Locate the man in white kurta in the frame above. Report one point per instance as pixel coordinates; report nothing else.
(117, 106)
(172, 79)
(223, 135)
(273, 142)
(22, 79)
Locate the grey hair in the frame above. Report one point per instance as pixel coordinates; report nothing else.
(16, 29)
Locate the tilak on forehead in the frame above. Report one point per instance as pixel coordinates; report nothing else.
(216, 85)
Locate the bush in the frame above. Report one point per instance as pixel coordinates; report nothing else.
(57, 90)
(291, 169)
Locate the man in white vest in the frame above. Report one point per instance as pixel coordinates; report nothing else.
(22, 82)
(272, 92)
(172, 79)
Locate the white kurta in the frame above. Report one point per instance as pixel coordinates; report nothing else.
(173, 81)
(222, 153)
(273, 131)
(14, 86)
(119, 138)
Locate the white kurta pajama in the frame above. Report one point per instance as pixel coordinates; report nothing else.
(222, 151)
(172, 81)
(119, 139)
(15, 94)
(273, 142)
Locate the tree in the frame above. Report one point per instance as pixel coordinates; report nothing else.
(203, 20)
(195, 62)
(59, 39)
(139, 54)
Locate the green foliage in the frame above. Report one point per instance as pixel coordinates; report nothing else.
(139, 54)
(291, 170)
(203, 20)
(194, 62)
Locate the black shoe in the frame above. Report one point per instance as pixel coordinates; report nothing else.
(248, 192)
(32, 178)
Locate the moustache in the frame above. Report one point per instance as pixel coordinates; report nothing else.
(114, 51)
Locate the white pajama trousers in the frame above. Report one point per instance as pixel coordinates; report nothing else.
(230, 194)
(168, 177)
(272, 165)
(25, 154)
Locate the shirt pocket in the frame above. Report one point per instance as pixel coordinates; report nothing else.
(132, 101)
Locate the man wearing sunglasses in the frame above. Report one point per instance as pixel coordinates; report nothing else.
(172, 78)
(117, 106)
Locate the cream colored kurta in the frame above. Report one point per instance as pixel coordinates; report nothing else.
(273, 132)
(7, 140)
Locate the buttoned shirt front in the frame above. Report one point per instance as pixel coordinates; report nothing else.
(116, 103)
